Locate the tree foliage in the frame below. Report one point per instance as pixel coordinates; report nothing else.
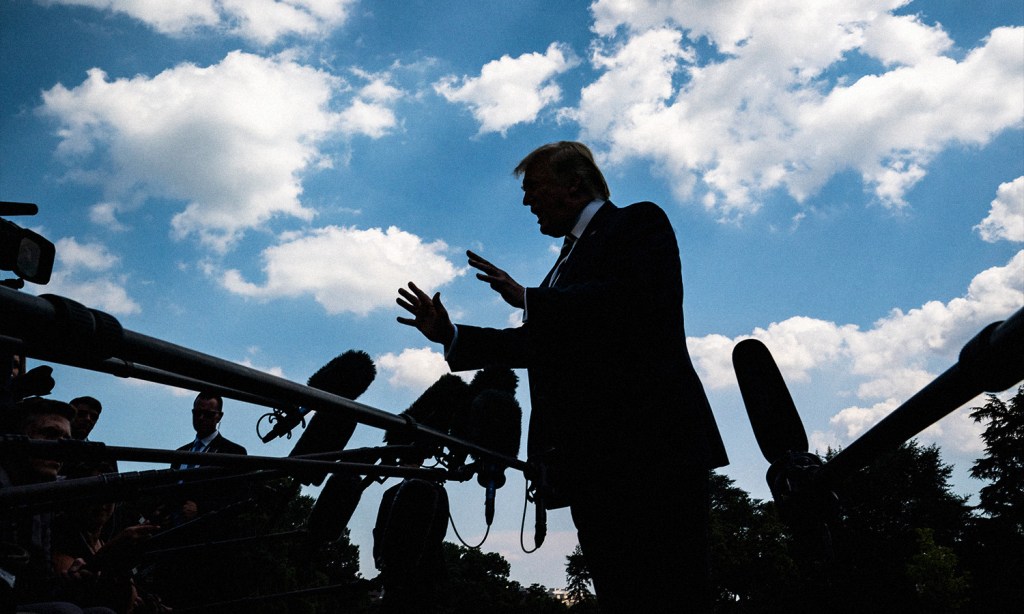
(577, 577)
(751, 564)
(479, 582)
(995, 551)
(1003, 463)
(898, 515)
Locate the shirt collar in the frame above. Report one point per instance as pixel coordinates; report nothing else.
(585, 216)
(209, 438)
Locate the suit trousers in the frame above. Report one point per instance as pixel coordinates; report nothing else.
(645, 540)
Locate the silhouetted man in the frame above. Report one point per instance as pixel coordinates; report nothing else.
(618, 416)
(207, 411)
(87, 414)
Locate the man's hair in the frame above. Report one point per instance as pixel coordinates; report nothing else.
(569, 160)
(206, 395)
(18, 416)
(88, 402)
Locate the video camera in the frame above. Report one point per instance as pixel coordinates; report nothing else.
(27, 254)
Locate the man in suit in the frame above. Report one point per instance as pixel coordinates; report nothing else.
(619, 417)
(207, 411)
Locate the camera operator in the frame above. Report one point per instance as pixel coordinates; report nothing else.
(29, 579)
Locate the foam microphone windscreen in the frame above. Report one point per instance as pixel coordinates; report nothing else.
(334, 507)
(446, 397)
(773, 415)
(500, 379)
(348, 376)
(496, 422)
(494, 378)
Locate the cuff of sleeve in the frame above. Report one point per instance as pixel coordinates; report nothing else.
(455, 338)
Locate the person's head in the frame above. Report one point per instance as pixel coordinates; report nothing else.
(38, 418)
(92, 515)
(87, 413)
(17, 365)
(207, 410)
(559, 179)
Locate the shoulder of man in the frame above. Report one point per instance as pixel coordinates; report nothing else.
(641, 217)
(226, 446)
(643, 209)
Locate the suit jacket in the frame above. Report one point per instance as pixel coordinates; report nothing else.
(220, 444)
(612, 386)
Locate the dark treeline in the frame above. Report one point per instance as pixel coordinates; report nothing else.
(903, 541)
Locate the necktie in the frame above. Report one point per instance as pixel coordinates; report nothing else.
(197, 446)
(567, 244)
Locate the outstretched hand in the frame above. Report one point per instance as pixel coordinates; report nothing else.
(499, 280)
(429, 315)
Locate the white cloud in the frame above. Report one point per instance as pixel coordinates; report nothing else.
(1006, 217)
(275, 371)
(106, 294)
(86, 273)
(91, 256)
(261, 21)
(782, 105)
(896, 357)
(232, 140)
(347, 269)
(854, 421)
(510, 91)
(105, 214)
(414, 368)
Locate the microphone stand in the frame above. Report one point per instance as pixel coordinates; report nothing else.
(56, 329)
(219, 466)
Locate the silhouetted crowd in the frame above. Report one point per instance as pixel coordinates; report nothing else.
(81, 554)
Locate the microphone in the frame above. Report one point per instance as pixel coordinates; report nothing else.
(464, 425)
(449, 396)
(773, 416)
(495, 423)
(334, 507)
(348, 376)
(540, 523)
(494, 378)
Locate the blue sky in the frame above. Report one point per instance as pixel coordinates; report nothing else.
(255, 179)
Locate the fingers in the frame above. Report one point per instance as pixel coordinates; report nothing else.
(412, 301)
(423, 308)
(482, 264)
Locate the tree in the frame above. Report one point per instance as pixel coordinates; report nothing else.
(752, 568)
(479, 582)
(577, 577)
(995, 552)
(1003, 463)
(879, 542)
(940, 586)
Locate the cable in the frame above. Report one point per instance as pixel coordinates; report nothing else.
(477, 546)
(522, 525)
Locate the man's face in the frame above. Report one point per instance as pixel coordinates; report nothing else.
(85, 420)
(50, 427)
(205, 416)
(555, 204)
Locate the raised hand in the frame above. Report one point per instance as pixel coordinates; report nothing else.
(499, 280)
(429, 315)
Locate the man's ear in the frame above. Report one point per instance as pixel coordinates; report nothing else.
(576, 185)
